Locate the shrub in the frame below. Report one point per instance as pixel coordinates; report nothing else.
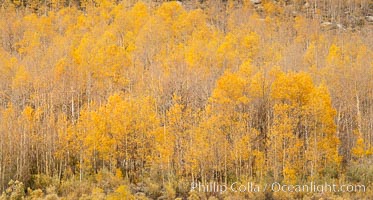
(360, 173)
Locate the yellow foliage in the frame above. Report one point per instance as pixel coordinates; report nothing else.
(121, 193)
(169, 91)
(21, 79)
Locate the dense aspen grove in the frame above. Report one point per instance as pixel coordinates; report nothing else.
(107, 99)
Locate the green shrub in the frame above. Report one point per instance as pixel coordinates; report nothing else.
(360, 173)
(42, 181)
(35, 194)
(15, 191)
